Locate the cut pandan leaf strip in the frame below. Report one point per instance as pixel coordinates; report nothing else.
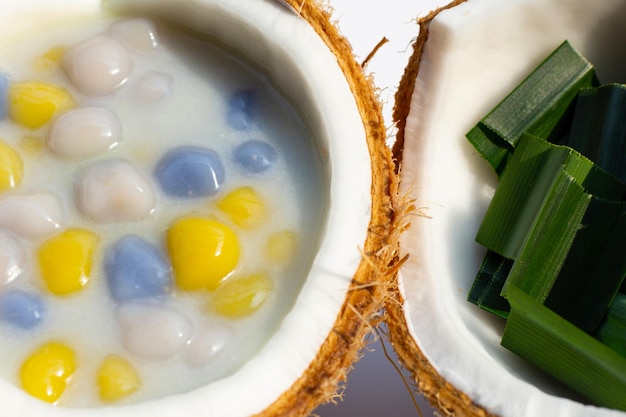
(521, 193)
(573, 259)
(598, 130)
(542, 337)
(594, 268)
(536, 106)
(486, 291)
(581, 286)
(557, 226)
(612, 331)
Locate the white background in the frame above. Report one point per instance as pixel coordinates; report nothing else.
(375, 388)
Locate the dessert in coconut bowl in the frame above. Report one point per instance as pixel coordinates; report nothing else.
(196, 208)
(471, 60)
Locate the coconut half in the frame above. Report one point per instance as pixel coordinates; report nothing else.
(467, 58)
(315, 344)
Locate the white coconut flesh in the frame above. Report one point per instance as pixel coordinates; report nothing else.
(475, 54)
(275, 38)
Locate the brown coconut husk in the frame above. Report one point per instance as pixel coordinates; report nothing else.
(440, 393)
(365, 300)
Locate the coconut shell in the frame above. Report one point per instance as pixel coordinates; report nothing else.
(440, 393)
(363, 304)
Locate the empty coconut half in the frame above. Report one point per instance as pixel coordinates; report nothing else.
(309, 347)
(467, 58)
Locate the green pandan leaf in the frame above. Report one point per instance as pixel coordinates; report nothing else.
(572, 260)
(522, 191)
(566, 352)
(612, 330)
(537, 106)
(599, 127)
(487, 287)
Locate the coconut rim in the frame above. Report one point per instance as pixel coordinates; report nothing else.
(439, 382)
(427, 380)
(355, 288)
(373, 278)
